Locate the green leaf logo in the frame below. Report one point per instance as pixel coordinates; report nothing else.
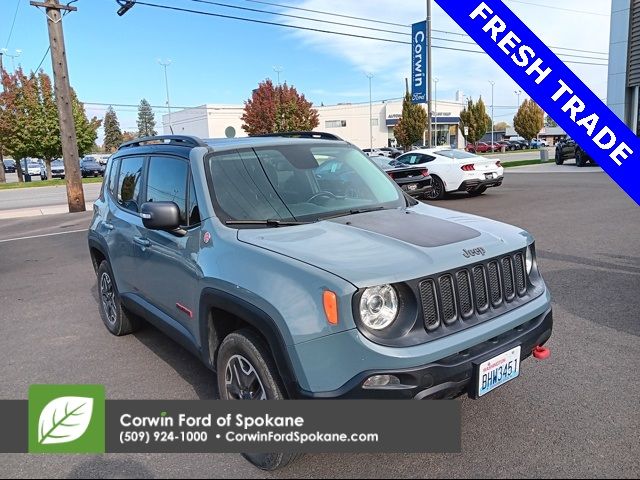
(64, 419)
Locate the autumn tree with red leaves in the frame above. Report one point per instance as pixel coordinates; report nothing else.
(278, 108)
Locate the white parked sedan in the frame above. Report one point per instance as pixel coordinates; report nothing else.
(456, 170)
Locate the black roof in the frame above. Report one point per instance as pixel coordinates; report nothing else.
(182, 144)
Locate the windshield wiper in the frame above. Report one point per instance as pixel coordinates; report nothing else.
(267, 223)
(353, 212)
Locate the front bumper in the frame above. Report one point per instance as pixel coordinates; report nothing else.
(475, 183)
(451, 376)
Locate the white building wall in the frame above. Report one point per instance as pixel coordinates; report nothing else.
(348, 121)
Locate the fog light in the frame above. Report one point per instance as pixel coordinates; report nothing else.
(381, 381)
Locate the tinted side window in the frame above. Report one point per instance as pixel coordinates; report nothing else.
(167, 182)
(426, 158)
(129, 183)
(192, 205)
(113, 176)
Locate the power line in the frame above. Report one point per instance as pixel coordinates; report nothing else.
(378, 21)
(13, 23)
(586, 12)
(319, 30)
(43, 58)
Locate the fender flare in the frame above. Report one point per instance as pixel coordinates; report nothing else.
(258, 320)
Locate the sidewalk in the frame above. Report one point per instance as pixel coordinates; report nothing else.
(38, 211)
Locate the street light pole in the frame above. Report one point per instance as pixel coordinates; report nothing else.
(165, 64)
(278, 70)
(370, 76)
(518, 93)
(429, 70)
(13, 57)
(435, 115)
(492, 124)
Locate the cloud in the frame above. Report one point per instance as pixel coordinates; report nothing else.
(469, 72)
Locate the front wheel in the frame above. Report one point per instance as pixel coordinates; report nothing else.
(580, 159)
(559, 159)
(437, 192)
(246, 371)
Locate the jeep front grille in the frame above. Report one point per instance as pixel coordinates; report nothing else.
(457, 296)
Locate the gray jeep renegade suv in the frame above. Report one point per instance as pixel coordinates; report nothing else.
(295, 268)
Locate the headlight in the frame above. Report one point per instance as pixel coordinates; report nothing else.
(529, 260)
(379, 307)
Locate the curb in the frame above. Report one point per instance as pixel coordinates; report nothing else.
(38, 211)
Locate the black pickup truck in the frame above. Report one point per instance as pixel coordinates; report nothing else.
(568, 148)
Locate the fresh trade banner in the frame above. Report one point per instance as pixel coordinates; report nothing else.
(553, 86)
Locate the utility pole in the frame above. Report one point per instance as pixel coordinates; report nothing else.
(165, 64)
(429, 72)
(3, 177)
(370, 76)
(75, 193)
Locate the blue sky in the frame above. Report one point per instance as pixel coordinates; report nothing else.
(114, 59)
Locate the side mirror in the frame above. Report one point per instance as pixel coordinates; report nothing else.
(160, 215)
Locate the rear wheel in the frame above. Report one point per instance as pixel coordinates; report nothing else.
(117, 320)
(437, 192)
(246, 371)
(477, 191)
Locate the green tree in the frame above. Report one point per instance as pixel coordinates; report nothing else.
(475, 117)
(529, 120)
(112, 132)
(549, 122)
(278, 109)
(29, 122)
(411, 125)
(146, 120)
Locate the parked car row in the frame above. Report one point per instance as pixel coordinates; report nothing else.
(389, 152)
(508, 145)
(90, 166)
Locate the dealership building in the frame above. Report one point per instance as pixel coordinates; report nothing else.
(348, 121)
(623, 95)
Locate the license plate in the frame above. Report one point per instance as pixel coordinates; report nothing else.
(411, 187)
(498, 371)
(489, 176)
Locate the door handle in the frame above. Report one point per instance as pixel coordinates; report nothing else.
(108, 226)
(143, 242)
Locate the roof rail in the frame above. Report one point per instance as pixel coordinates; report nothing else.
(181, 140)
(313, 135)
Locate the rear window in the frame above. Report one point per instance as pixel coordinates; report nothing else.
(129, 183)
(456, 154)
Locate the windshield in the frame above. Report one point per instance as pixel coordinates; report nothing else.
(456, 154)
(297, 182)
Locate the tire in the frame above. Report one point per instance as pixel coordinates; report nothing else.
(117, 320)
(437, 192)
(478, 191)
(559, 159)
(580, 159)
(246, 351)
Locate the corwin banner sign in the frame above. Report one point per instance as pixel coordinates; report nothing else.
(419, 62)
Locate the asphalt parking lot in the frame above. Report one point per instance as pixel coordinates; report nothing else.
(574, 415)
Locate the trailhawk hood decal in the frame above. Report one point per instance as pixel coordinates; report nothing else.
(390, 246)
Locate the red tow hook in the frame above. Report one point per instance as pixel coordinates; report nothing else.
(541, 353)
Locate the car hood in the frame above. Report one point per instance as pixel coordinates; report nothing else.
(390, 246)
